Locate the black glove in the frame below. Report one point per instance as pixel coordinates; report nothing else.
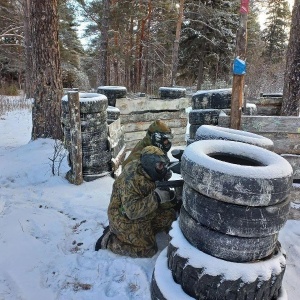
(168, 175)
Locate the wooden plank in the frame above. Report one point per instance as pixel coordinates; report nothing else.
(284, 143)
(138, 135)
(113, 139)
(269, 101)
(268, 110)
(128, 106)
(294, 161)
(117, 147)
(76, 143)
(257, 124)
(153, 116)
(117, 161)
(139, 126)
(114, 126)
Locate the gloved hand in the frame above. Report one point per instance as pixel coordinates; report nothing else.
(168, 175)
(162, 196)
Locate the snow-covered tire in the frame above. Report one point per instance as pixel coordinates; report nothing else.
(89, 103)
(97, 147)
(190, 141)
(171, 93)
(192, 131)
(204, 116)
(236, 172)
(112, 93)
(217, 99)
(86, 119)
(113, 113)
(208, 132)
(204, 277)
(224, 246)
(251, 109)
(231, 219)
(163, 287)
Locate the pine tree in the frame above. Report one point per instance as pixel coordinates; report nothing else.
(291, 90)
(46, 71)
(275, 35)
(208, 40)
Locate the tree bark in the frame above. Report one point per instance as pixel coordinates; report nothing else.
(46, 71)
(291, 89)
(104, 44)
(27, 42)
(176, 44)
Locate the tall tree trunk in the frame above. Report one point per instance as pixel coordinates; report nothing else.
(104, 44)
(291, 89)
(200, 73)
(176, 44)
(28, 58)
(46, 71)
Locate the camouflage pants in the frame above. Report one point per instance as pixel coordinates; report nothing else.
(137, 239)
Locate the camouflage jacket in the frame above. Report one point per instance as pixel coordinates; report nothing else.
(136, 151)
(133, 198)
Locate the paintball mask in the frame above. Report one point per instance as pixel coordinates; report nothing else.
(155, 165)
(162, 140)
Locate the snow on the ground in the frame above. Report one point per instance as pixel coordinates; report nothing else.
(49, 228)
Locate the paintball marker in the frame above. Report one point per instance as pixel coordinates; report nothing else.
(175, 185)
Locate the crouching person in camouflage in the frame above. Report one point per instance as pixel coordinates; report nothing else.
(137, 209)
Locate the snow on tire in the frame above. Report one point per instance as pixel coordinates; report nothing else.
(208, 132)
(205, 277)
(236, 172)
(89, 103)
(217, 99)
(113, 113)
(163, 286)
(231, 219)
(224, 246)
(171, 93)
(204, 116)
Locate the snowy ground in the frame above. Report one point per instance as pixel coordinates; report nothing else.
(49, 228)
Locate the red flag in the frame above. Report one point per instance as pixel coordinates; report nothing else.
(244, 6)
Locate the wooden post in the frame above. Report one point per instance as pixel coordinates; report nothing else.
(75, 176)
(239, 79)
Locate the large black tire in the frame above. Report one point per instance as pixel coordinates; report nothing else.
(236, 172)
(112, 93)
(224, 246)
(204, 116)
(171, 92)
(89, 103)
(231, 219)
(113, 113)
(217, 99)
(208, 132)
(163, 286)
(204, 277)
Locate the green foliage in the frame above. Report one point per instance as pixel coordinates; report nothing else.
(208, 39)
(275, 35)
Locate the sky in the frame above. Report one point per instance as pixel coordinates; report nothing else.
(49, 228)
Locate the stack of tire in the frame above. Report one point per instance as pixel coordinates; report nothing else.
(112, 93)
(96, 157)
(113, 114)
(206, 107)
(209, 132)
(225, 242)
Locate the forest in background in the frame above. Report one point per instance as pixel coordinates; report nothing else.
(136, 40)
